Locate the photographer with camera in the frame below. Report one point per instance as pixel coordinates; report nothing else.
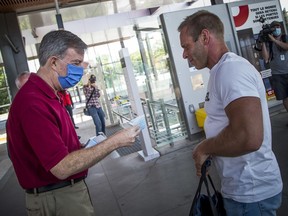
(92, 91)
(275, 52)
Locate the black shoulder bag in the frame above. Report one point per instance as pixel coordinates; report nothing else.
(86, 111)
(207, 205)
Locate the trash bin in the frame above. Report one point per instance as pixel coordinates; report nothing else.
(200, 116)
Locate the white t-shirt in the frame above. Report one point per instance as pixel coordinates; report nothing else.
(254, 176)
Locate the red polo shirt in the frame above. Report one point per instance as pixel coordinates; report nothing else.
(39, 134)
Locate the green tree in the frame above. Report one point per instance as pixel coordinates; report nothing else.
(4, 94)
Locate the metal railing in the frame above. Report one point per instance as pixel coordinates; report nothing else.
(163, 121)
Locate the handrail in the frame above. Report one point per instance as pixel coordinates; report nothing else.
(174, 107)
(121, 116)
(5, 105)
(164, 126)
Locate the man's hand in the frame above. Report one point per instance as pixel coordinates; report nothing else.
(199, 157)
(271, 37)
(127, 136)
(93, 85)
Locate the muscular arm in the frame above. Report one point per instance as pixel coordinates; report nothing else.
(80, 160)
(243, 135)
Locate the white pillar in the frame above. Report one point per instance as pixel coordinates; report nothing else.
(147, 152)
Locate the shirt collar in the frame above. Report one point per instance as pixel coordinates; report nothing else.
(42, 85)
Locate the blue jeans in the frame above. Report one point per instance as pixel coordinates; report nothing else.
(265, 207)
(98, 117)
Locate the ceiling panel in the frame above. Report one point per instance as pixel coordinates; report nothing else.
(95, 8)
(38, 17)
(25, 6)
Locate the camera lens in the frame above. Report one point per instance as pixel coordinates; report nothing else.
(92, 79)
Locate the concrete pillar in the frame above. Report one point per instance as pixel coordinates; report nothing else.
(12, 49)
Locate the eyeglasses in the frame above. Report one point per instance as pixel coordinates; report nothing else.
(77, 63)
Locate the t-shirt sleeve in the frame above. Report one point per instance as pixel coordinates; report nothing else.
(235, 80)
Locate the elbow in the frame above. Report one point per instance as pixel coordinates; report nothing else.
(254, 143)
(59, 173)
(61, 177)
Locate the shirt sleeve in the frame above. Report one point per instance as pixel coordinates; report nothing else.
(235, 80)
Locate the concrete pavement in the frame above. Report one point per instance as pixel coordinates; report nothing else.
(128, 186)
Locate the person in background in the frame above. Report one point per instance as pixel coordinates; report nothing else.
(21, 79)
(44, 148)
(92, 91)
(275, 52)
(237, 126)
(67, 101)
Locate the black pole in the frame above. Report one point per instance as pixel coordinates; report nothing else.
(59, 22)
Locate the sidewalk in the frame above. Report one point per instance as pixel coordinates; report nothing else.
(128, 186)
(125, 185)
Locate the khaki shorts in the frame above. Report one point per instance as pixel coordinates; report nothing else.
(73, 200)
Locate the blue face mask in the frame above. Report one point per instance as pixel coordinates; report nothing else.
(74, 75)
(277, 32)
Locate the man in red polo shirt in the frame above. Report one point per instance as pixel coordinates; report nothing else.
(43, 145)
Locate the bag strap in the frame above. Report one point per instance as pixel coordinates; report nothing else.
(204, 167)
(203, 178)
(90, 97)
(212, 205)
(211, 182)
(197, 194)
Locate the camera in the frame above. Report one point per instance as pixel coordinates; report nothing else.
(267, 29)
(92, 79)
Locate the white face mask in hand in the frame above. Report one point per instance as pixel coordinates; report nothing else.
(140, 121)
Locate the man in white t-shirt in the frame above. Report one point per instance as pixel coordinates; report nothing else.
(237, 127)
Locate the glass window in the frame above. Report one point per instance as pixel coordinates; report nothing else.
(5, 97)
